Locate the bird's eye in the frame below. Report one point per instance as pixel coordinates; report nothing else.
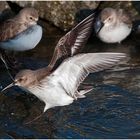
(31, 18)
(20, 79)
(109, 19)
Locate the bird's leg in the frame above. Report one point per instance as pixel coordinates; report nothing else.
(86, 85)
(75, 95)
(81, 93)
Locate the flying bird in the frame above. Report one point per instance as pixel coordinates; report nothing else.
(60, 88)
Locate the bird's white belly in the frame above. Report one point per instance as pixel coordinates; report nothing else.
(24, 41)
(53, 96)
(114, 35)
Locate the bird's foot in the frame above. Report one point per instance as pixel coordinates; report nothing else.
(75, 96)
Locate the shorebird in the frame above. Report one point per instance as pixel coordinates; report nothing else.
(60, 87)
(21, 32)
(112, 25)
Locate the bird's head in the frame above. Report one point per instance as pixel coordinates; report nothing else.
(107, 18)
(24, 78)
(29, 15)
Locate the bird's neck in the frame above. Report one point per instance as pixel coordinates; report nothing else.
(43, 72)
(20, 19)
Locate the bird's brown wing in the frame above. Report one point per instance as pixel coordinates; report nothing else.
(10, 29)
(73, 42)
(125, 17)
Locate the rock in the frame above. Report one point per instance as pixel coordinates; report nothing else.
(3, 6)
(5, 11)
(60, 13)
(136, 5)
(6, 14)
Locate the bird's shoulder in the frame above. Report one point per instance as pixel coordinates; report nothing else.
(10, 28)
(125, 17)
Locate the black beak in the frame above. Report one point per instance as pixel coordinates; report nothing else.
(98, 25)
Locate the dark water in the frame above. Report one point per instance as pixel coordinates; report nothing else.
(111, 110)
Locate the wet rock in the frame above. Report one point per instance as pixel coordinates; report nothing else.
(3, 6)
(5, 11)
(136, 5)
(4, 135)
(60, 13)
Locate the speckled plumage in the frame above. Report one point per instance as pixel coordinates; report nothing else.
(26, 40)
(12, 27)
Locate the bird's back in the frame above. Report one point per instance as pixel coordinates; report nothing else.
(10, 29)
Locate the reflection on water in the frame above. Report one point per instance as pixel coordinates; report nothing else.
(111, 110)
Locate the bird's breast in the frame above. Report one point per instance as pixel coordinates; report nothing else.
(52, 95)
(114, 34)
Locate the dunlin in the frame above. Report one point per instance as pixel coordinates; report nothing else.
(112, 25)
(21, 32)
(60, 88)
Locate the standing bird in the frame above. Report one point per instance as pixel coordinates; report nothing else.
(112, 25)
(21, 32)
(60, 88)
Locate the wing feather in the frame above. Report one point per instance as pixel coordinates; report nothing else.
(74, 40)
(10, 29)
(74, 70)
(125, 17)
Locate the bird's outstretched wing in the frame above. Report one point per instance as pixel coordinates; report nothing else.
(10, 29)
(75, 69)
(74, 40)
